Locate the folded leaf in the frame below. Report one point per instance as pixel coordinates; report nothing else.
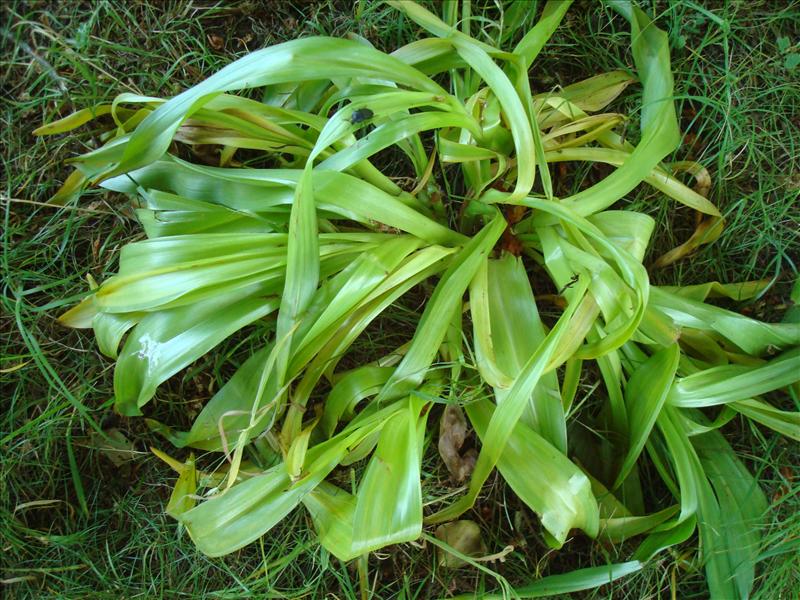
(546, 480)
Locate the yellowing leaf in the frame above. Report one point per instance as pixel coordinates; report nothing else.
(464, 536)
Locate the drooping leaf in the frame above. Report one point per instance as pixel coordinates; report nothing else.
(165, 342)
(542, 477)
(645, 395)
(389, 499)
(332, 511)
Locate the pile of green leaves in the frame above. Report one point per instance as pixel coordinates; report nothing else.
(324, 241)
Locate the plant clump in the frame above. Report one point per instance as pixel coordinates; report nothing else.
(298, 222)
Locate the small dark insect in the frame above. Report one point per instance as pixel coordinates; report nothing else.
(570, 283)
(361, 115)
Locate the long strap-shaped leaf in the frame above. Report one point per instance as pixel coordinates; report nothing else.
(730, 530)
(544, 478)
(251, 508)
(507, 331)
(389, 500)
(729, 383)
(631, 271)
(660, 133)
(479, 57)
(436, 317)
(244, 190)
(304, 59)
(754, 337)
(567, 583)
(532, 43)
(645, 395)
(166, 341)
(508, 413)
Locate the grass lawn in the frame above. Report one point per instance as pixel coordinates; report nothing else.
(81, 520)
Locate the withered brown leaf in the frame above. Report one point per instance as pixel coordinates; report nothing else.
(452, 434)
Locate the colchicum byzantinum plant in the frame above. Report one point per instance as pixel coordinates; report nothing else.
(325, 242)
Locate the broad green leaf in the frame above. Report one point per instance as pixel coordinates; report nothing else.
(392, 133)
(243, 513)
(516, 332)
(657, 178)
(259, 191)
(671, 534)
(332, 511)
(362, 277)
(532, 43)
(483, 342)
(80, 316)
(389, 499)
(620, 529)
(302, 271)
(171, 215)
(730, 525)
(784, 422)
(629, 231)
(507, 415)
(729, 383)
(546, 480)
(438, 311)
(598, 250)
(645, 395)
(351, 389)
(110, 328)
(754, 337)
(226, 414)
(685, 463)
(249, 509)
(513, 109)
(165, 342)
(310, 58)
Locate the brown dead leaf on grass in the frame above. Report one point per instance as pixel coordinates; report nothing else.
(452, 434)
(217, 42)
